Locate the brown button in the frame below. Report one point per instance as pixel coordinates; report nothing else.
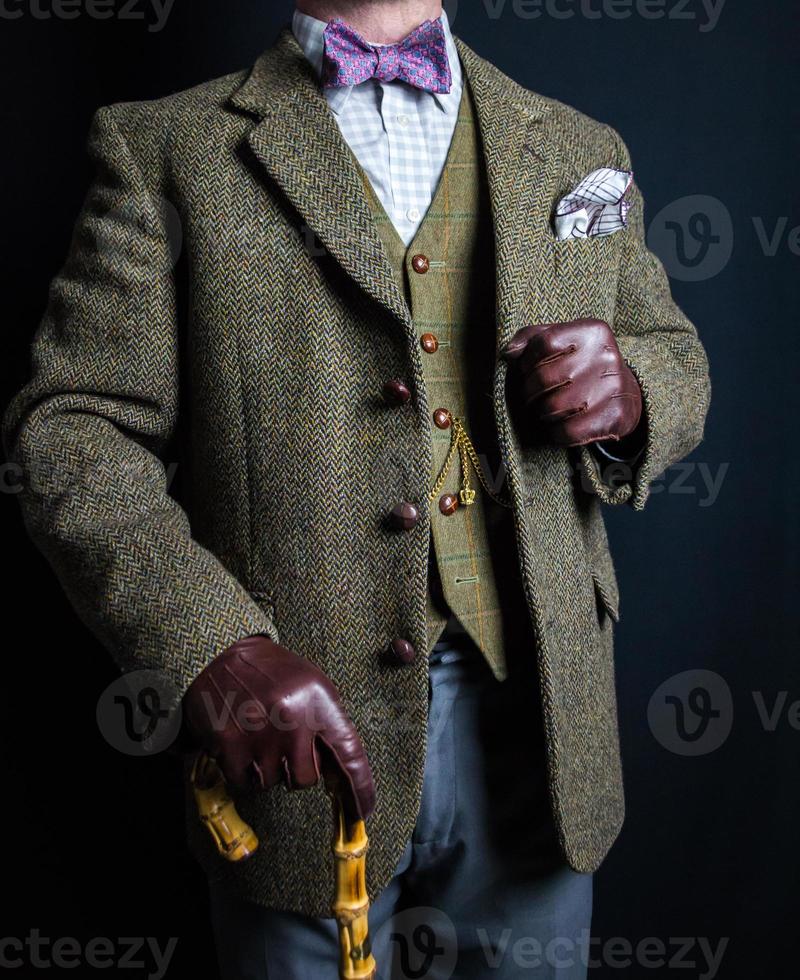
(442, 418)
(395, 392)
(448, 503)
(430, 343)
(404, 516)
(402, 651)
(420, 264)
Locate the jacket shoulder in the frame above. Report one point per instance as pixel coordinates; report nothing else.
(580, 138)
(152, 128)
(177, 107)
(586, 143)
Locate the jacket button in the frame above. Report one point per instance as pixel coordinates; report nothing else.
(404, 516)
(402, 651)
(420, 264)
(430, 343)
(396, 393)
(442, 418)
(448, 504)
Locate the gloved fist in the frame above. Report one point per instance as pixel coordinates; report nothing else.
(269, 716)
(576, 382)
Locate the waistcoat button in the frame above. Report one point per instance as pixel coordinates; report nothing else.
(430, 343)
(420, 264)
(442, 418)
(448, 504)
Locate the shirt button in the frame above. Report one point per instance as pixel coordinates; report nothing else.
(402, 651)
(442, 418)
(403, 120)
(430, 343)
(404, 516)
(420, 264)
(396, 393)
(448, 504)
(413, 214)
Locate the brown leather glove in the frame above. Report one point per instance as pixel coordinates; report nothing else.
(269, 716)
(575, 379)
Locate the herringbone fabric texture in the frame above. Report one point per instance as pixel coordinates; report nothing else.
(454, 300)
(256, 362)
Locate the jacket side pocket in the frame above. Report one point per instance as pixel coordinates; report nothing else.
(607, 600)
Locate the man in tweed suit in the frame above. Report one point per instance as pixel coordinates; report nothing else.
(400, 400)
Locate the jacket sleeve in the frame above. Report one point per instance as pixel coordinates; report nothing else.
(89, 432)
(663, 350)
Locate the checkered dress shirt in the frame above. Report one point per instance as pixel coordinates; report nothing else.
(399, 134)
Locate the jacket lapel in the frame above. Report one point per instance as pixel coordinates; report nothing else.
(522, 165)
(298, 142)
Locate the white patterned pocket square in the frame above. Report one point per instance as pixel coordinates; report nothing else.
(596, 207)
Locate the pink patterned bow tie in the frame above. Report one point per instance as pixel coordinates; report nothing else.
(419, 60)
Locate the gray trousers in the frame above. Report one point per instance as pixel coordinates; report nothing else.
(480, 891)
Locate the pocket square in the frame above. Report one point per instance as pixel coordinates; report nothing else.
(596, 207)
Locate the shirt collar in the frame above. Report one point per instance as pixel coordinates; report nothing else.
(309, 33)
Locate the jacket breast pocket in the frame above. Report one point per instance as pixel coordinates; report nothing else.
(596, 253)
(587, 271)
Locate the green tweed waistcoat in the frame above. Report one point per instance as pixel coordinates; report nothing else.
(452, 298)
(252, 350)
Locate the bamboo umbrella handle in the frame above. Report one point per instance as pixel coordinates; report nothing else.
(236, 841)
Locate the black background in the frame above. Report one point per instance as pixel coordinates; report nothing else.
(93, 840)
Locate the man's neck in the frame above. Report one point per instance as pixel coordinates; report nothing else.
(385, 22)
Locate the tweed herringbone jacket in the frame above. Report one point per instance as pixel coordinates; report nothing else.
(227, 305)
